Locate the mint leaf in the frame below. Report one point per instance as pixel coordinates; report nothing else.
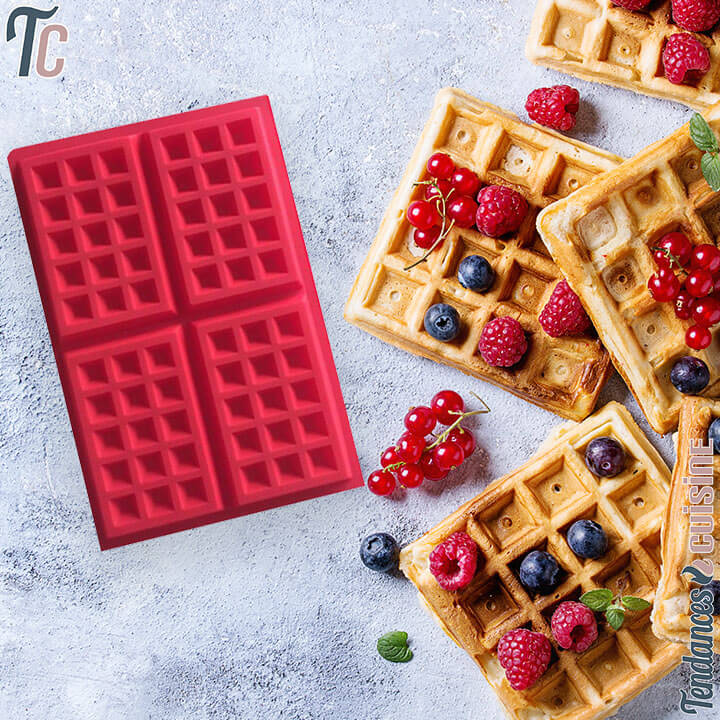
(615, 616)
(597, 600)
(393, 647)
(702, 134)
(635, 603)
(710, 164)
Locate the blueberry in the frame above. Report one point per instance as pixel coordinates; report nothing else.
(605, 457)
(714, 435)
(587, 539)
(540, 572)
(442, 322)
(475, 273)
(690, 375)
(379, 552)
(714, 587)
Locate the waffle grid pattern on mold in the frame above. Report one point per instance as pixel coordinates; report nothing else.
(671, 613)
(532, 509)
(185, 323)
(102, 264)
(602, 239)
(598, 41)
(563, 375)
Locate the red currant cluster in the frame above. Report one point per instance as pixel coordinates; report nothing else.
(697, 298)
(415, 457)
(448, 202)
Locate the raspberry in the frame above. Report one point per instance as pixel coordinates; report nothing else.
(525, 656)
(574, 626)
(695, 15)
(554, 107)
(501, 210)
(563, 314)
(632, 4)
(502, 342)
(683, 53)
(453, 562)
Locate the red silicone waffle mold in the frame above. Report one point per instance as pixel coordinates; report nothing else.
(186, 327)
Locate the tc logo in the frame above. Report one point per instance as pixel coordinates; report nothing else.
(32, 15)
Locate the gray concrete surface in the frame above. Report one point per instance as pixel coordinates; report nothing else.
(269, 616)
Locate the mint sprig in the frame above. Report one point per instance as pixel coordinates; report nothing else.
(704, 139)
(710, 166)
(602, 600)
(597, 600)
(393, 647)
(634, 604)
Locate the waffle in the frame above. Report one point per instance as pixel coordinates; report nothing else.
(596, 40)
(601, 237)
(670, 616)
(532, 508)
(563, 375)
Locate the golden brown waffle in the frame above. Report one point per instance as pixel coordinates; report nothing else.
(601, 237)
(563, 375)
(530, 509)
(671, 612)
(598, 41)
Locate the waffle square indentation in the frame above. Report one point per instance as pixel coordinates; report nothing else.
(505, 520)
(606, 665)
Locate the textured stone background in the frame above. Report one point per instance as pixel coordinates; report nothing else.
(269, 616)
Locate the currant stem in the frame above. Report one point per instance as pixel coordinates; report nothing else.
(440, 199)
(479, 399)
(461, 416)
(440, 438)
(672, 258)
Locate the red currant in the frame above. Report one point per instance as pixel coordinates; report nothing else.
(448, 455)
(699, 283)
(462, 210)
(706, 256)
(664, 286)
(440, 166)
(684, 304)
(697, 337)
(677, 244)
(420, 421)
(381, 482)
(464, 438)
(706, 312)
(430, 469)
(446, 405)
(389, 457)
(425, 239)
(410, 475)
(443, 188)
(410, 447)
(661, 259)
(465, 181)
(422, 214)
